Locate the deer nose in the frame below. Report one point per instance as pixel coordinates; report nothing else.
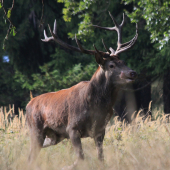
(133, 74)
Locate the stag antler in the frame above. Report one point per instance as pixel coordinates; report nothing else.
(118, 28)
(110, 52)
(56, 39)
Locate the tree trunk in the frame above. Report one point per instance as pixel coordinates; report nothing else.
(166, 92)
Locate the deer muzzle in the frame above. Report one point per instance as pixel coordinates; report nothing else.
(128, 76)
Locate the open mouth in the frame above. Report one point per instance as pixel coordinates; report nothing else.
(129, 80)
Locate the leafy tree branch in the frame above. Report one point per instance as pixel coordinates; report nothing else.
(7, 15)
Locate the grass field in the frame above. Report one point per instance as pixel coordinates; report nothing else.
(141, 145)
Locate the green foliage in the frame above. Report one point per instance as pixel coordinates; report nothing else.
(84, 11)
(25, 51)
(73, 7)
(51, 79)
(84, 30)
(156, 14)
(160, 61)
(43, 67)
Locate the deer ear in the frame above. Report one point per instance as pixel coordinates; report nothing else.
(99, 59)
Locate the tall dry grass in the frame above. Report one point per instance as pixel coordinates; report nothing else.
(9, 121)
(143, 144)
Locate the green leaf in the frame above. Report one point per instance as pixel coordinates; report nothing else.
(0, 5)
(60, 1)
(13, 32)
(9, 13)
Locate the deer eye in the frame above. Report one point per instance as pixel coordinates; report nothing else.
(111, 66)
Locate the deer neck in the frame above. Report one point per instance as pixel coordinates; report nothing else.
(102, 89)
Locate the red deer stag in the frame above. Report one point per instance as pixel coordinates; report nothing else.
(84, 109)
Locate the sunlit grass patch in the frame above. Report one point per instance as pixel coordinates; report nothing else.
(143, 144)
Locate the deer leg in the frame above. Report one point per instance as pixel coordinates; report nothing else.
(99, 144)
(76, 141)
(36, 145)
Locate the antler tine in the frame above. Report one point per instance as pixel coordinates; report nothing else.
(113, 20)
(55, 27)
(112, 51)
(123, 21)
(50, 29)
(96, 49)
(108, 28)
(46, 38)
(106, 48)
(55, 38)
(118, 28)
(127, 43)
(45, 35)
(136, 28)
(132, 42)
(86, 51)
(104, 28)
(78, 43)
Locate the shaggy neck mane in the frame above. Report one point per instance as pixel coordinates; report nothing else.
(101, 88)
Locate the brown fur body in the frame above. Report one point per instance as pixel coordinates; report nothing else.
(80, 107)
(77, 112)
